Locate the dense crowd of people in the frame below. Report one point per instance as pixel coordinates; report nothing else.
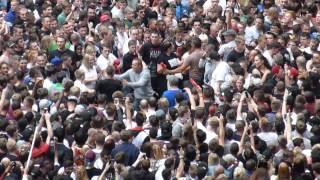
(160, 89)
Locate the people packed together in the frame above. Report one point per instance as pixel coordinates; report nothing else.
(160, 89)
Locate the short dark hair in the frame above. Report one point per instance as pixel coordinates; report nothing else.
(110, 71)
(196, 42)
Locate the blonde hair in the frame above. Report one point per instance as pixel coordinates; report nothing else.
(81, 173)
(157, 152)
(85, 61)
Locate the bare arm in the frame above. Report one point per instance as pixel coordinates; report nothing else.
(241, 146)
(105, 170)
(191, 98)
(49, 128)
(239, 108)
(180, 168)
(180, 69)
(221, 131)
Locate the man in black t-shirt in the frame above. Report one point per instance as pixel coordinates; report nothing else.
(150, 53)
(109, 85)
(237, 53)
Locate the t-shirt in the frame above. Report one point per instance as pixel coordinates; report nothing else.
(40, 151)
(170, 95)
(193, 61)
(127, 61)
(108, 87)
(235, 56)
(90, 74)
(150, 54)
(171, 62)
(103, 62)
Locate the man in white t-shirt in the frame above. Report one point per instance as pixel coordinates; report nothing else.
(106, 58)
(221, 77)
(271, 138)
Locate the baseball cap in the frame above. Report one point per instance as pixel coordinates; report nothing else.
(44, 104)
(73, 98)
(294, 72)
(275, 70)
(104, 18)
(56, 61)
(90, 156)
(229, 32)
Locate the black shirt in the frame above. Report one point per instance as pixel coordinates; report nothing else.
(108, 87)
(170, 61)
(235, 56)
(213, 41)
(150, 54)
(127, 61)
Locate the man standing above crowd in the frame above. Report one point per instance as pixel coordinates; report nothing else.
(192, 62)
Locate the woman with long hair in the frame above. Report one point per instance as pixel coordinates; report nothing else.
(90, 72)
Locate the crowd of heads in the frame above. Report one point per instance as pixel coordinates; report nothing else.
(167, 89)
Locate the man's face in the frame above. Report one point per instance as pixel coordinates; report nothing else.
(53, 24)
(130, 15)
(18, 32)
(214, 3)
(178, 36)
(136, 66)
(61, 43)
(259, 23)
(314, 45)
(146, 37)
(14, 5)
(134, 34)
(41, 61)
(106, 52)
(47, 11)
(23, 14)
(91, 13)
(83, 32)
(197, 26)
(155, 39)
(269, 38)
(122, 5)
(20, 43)
(46, 23)
(132, 49)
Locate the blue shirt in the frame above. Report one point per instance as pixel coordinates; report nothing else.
(131, 151)
(11, 16)
(171, 96)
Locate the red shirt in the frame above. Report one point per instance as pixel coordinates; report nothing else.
(42, 150)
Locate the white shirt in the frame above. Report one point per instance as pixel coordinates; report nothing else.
(251, 33)
(222, 74)
(103, 62)
(47, 83)
(225, 49)
(270, 138)
(117, 13)
(268, 56)
(122, 39)
(90, 74)
(80, 85)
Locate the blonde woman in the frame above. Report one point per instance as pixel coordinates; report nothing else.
(90, 71)
(81, 173)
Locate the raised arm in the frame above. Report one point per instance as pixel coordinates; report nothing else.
(284, 103)
(49, 127)
(239, 108)
(191, 98)
(221, 130)
(241, 146)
